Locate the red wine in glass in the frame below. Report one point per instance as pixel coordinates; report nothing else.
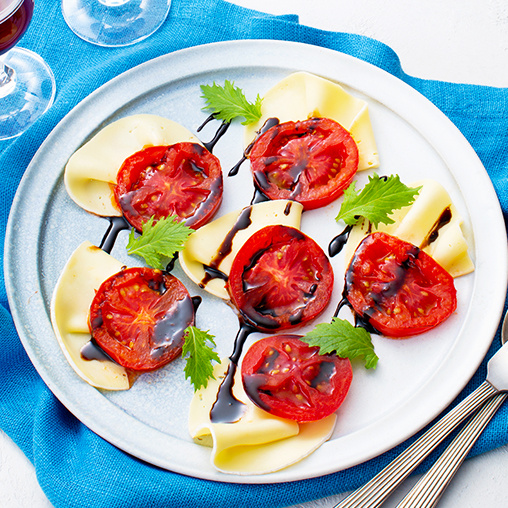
(27, 85)
(15, 17)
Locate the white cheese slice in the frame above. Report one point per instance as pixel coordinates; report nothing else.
(202, 247)
(90, 173)
(302, 95)
(414, 224)
(87, 268)
(258, 443)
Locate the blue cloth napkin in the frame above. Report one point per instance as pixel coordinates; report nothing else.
(76, 468)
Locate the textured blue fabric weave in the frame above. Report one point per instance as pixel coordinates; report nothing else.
(76, 468)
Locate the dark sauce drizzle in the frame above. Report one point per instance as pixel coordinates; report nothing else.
(224, 126)
(206, 122)
(389, 289)
(227, 408)
(271, 122)
(116, 224)
(258, 197)
(171, 263)
(337, 243)
(165, 332)
(212, 271)
(443, 220)
(92, 351)
(196, 302)
(210, 145)
(360, 321)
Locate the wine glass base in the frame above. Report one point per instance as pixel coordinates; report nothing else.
(114, 22)
(27, 93)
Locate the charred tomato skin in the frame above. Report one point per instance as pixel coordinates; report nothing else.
(397, 288)
(138, 318)
(310, 161)
(290, 379)
(280, 278)
(184, 180)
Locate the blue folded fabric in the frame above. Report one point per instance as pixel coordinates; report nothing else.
(76, 468)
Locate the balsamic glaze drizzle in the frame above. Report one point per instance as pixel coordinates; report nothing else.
(270, 122)
(116, 224)
(92, 351)
(444, 218)
(212, 271)
(227, 408)
(389, 288)
(337, 243)
(210, 145)
(206, 122)
(258, 197)
(224, 126)
(171, 263)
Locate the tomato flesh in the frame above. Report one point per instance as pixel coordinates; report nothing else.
(397, 288)
(184, 180)
(138, 318)
(311, 161)
(288, 378)
(280, 278)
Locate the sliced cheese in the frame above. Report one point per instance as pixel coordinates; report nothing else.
(416, 222)
(302, 95)
(203, 246)
(87, 268)
(91, 171)
(258, 443)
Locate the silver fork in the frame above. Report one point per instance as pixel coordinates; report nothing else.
(374, 492)
(427, 492)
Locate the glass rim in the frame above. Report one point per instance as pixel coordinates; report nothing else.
(11, 7)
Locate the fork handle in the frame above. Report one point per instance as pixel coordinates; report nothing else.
(374, 492)
(429, 489)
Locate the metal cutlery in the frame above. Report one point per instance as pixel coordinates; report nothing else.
(374, 492)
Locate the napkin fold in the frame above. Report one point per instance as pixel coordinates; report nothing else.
(75, 467)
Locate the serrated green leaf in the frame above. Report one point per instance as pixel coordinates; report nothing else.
(343, 339)
(159, 241)
(199, 354)
(229, 102)
(377, 200)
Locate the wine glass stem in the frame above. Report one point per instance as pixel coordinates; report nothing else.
(7, 79)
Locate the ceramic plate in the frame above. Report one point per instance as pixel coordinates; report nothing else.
(415, 379)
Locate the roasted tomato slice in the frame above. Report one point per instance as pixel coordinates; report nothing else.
(290, 379)
(397, 288)
(138, 318)
(184, 180)
(280, 278)
(312, 161)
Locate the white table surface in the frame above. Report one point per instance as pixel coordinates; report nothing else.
(462, 41)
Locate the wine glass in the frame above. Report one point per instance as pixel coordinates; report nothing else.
(27, 85)
(114, 22)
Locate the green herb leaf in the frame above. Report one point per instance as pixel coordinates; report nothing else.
(377, 200)
(343, 339)
(228, 102)
(158, 241)
(199, 354)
